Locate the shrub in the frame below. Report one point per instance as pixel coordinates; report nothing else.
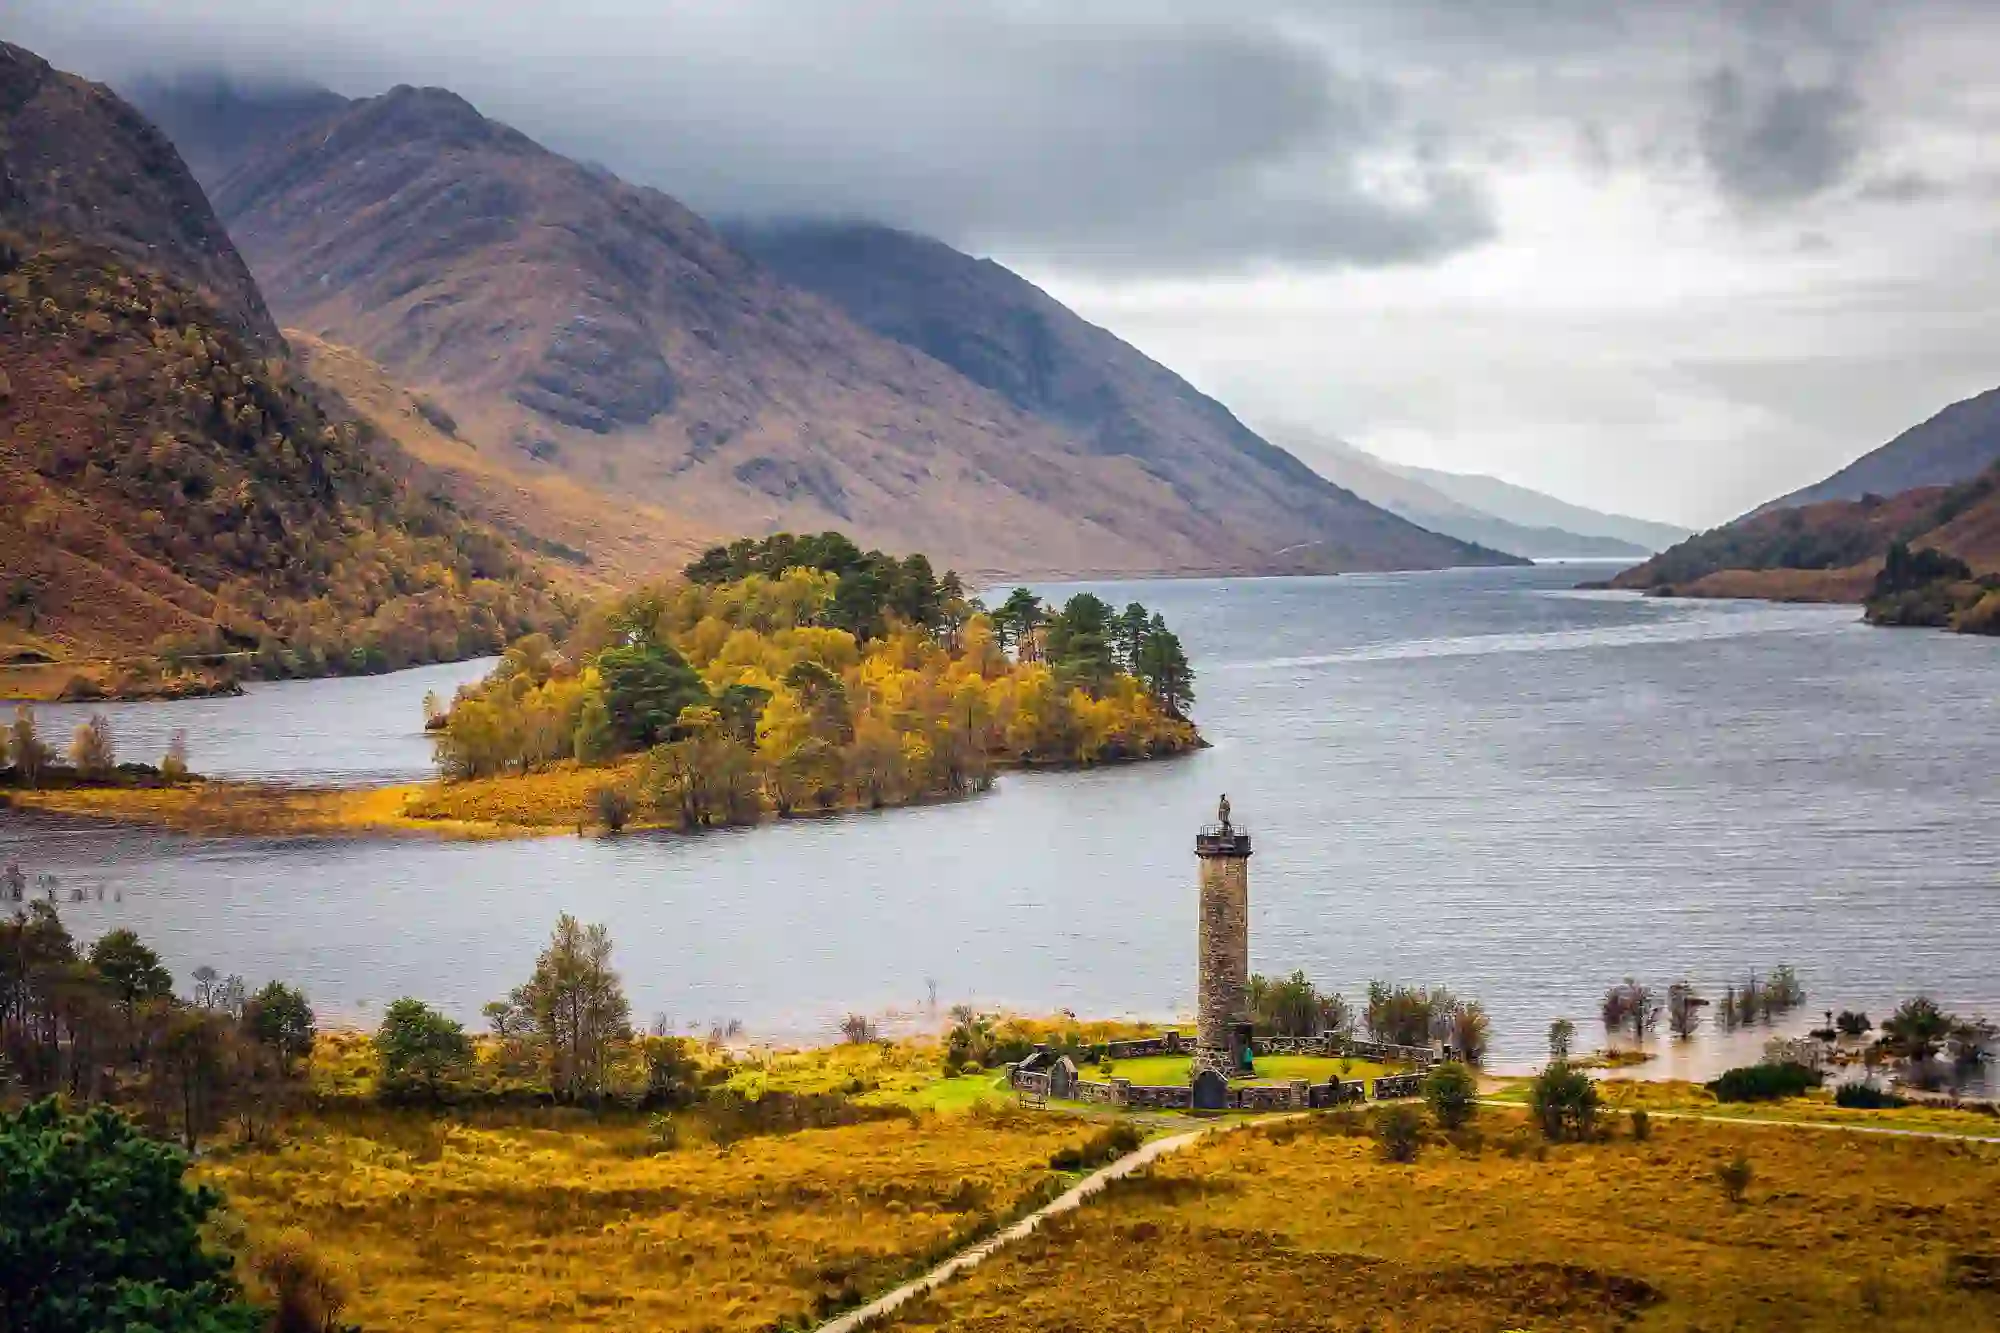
(1866, 1097)
(857, 1030)
(614, 807)
(280, 1018)
(1982, 617)
(1399, 1130)
(1450, 1090)
(307, 1293)
(1852, 1024)
(422, 1051)
(1470, 1029)
(1735, 1175)
(1764, 1083)
(1294, 1007)
(1564, 1102)
(1642, 1126)
(1917, 1029)
(94, 753)
(174, 766)
(1107, 1145)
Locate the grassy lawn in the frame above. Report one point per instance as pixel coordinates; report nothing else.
(1164, 1070)
(1305, 1226)
(962, 1093)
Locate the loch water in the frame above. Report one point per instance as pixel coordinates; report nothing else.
(1481, 778)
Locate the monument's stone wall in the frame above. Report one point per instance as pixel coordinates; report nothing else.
(1170, 1043)
(1294, 1095)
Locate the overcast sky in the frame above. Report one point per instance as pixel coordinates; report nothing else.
(1672, 259)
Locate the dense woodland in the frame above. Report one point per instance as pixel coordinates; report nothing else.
(142, 437)
(798, 673)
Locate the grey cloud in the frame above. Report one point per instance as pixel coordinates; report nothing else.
(1772, 141)
(1901, 187)
(1136, 142)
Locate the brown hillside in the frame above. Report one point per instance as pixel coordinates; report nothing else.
(588, 543)
(76, 162)
(605, 333)
(161, 478)
(1829, 551)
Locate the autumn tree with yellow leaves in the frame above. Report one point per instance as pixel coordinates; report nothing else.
(848, 678)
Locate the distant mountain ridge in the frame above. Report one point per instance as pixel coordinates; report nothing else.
(1959, 442)
(1415, 494)
(1529, 508)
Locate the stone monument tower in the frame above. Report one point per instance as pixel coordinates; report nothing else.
(1222, 1019)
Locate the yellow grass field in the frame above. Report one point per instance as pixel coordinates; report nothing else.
(1303, 1227)
(552, 1220)
(246, 810)
(554, 801)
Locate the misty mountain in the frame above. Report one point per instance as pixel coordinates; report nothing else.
(78, 163)
(219, 122)
(1531, 508)
(1403, 491)
(1958, 443)
(603, 332)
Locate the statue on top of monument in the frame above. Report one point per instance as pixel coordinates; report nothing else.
(1222, 812)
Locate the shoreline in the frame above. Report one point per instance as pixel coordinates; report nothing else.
(554, 802)
(56, 682)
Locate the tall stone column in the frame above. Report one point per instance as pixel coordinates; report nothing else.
(1223, 1005)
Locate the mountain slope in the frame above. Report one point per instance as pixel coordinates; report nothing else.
(1959, 442)
(165, 471)
(1533, 509)
(1004, 333)
(603, 334)
(1385, 484)
(1830, 550)
(78, 163)
(591, 544)
(1827, 541)
(167, 479)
